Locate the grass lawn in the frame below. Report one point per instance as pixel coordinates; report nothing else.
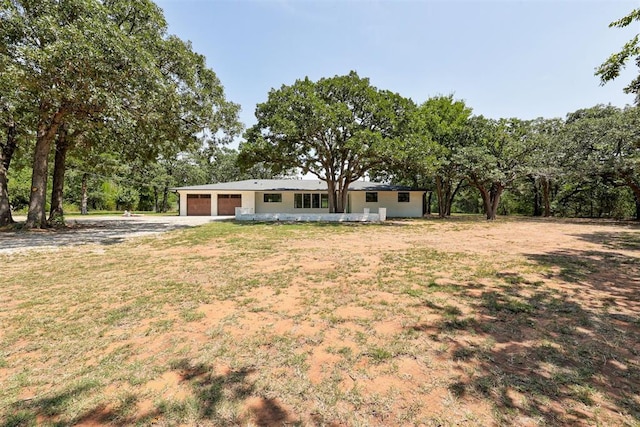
(426, 322)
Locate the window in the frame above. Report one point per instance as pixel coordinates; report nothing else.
(324, 200)
(371, 197)
(310, 200)
(403, 197)
(272, 197)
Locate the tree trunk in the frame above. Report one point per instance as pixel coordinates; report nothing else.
(452, 196)
(6, 154)
(490, 199)
(495, 193)
(429, 202)
(165, 198)
(546, 196)
(85, 197)
(36, 218)
(56, 213)
(156, 206)
(341, 199)
(441, 194)
(537, 209)
(331, 188)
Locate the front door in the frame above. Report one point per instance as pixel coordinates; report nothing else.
(227, 203)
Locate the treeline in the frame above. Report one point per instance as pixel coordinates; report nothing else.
(342, 129)
(585, 165)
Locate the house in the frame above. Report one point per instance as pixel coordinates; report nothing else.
(296, 196)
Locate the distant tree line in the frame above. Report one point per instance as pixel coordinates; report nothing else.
(342, 129)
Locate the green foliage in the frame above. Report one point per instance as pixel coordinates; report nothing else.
(610, 69)
(495, 154)
(337, 129)
(108, 71)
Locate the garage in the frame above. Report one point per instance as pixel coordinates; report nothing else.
(227, 203)
(199, 204)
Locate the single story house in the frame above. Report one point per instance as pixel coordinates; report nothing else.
(296, 196)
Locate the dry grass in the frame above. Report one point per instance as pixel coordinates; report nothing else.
(429, 322)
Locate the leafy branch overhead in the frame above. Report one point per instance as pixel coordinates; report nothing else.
(611, 68)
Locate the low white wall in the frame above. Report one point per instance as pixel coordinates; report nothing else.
(248, 215)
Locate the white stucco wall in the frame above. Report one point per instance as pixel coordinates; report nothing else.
(255, 202)
(287, 204)
(389, 200)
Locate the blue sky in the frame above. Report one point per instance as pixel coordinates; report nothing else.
(506, 58)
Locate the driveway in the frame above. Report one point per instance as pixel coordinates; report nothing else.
(103, 230)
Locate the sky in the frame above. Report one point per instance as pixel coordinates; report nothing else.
(507, 58)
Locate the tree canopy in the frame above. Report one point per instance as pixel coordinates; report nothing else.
(337, 129)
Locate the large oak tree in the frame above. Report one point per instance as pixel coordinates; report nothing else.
(337, 128)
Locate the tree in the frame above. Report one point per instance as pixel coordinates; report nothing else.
(71, 60)
(610, 69)
(495, 154)
(445, 119)
(337, 129)
(547, 161)
(603, 142)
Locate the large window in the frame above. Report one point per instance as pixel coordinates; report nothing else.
(272, 197)
(310, 200)
(371, 197)
(403, 197)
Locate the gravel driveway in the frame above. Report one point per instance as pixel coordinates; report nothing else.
(104, 230)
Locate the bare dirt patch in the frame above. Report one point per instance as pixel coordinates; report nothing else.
(460, 322)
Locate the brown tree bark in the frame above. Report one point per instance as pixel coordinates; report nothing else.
(56, 213)
(445, 194)
(36, 218)
(341, 198)
(490, 198)
(165, 198)
(331, 189)
(441, 196)
(546, 196)
(85, 197)
(6, 154)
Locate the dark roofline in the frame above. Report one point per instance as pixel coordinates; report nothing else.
(291, 185)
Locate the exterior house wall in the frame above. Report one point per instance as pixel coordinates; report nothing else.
(389, 200)
(248, 200)
(287, 204)
(254, 202)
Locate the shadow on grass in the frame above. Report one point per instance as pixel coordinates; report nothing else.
(621, 240)
(211, 396)
(558, 354)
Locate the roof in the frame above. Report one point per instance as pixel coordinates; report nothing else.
(290, 185)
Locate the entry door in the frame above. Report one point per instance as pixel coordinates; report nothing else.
(227, 203)
(199, 204)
